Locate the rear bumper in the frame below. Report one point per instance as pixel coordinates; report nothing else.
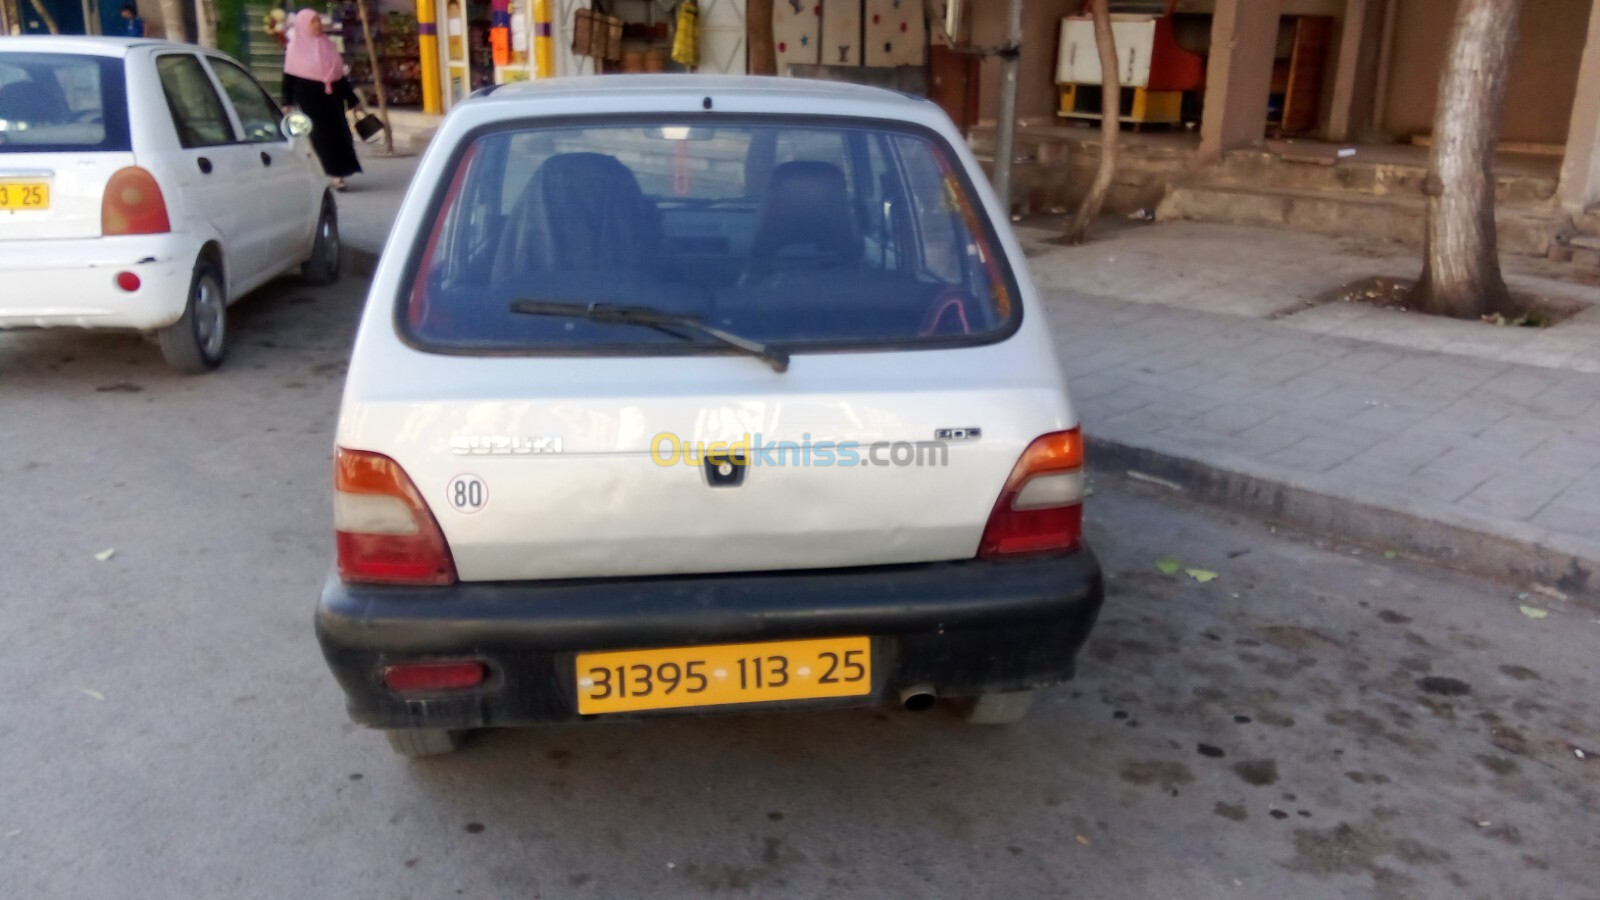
(964, 628)
(72, 283)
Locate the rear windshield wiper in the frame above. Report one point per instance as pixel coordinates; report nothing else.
(614, 314)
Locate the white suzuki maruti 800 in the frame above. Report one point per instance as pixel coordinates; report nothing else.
(693, 394)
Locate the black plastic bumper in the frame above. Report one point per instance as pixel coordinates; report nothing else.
(965, 628)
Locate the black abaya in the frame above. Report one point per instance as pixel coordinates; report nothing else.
(330, 133)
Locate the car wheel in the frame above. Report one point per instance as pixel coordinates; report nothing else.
(416, 742)
(197, 341)
(999, 709)
(323, 266)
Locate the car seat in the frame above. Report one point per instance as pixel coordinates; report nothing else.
(34, 103)
(579, 213)
(806, 222)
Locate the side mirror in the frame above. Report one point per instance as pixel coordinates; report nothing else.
(295, 125)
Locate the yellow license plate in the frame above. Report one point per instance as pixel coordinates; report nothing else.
(24, 195)
(632, 680)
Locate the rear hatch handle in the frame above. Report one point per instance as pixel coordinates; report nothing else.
(616, 314)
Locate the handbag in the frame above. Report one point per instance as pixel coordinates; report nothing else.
(368, 127)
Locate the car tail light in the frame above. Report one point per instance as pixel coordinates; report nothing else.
(433, 676)
(133, 204)
(386, 534)
(1041, 507)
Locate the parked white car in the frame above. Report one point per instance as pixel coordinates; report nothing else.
(147, 185)
(683, 394)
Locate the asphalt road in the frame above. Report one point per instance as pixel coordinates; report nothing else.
(1310, 724)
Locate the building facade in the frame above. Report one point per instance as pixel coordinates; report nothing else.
(1374, 75)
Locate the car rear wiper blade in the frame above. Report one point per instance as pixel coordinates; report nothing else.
(615, 314)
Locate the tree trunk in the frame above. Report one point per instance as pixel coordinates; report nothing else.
(377, 76)
(205, 18)
(49, 20)
(758, 38)
(1461, 262)
(1110, 126)
(172, 20)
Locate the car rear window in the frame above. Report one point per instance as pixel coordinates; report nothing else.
(52, 102)
(793, 232)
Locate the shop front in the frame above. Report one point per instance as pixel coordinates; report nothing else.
(432, 54)
(428, 54)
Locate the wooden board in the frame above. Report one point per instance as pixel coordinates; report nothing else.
(722, 36)
(796, 32)
(953, 84)
(841, 32)
(897, 33)
(1313, 37)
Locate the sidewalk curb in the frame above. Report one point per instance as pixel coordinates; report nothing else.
(1454, 546)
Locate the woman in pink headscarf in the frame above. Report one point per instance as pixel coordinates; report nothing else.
(314, 82)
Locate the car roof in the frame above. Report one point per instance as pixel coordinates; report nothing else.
(83, 45)
(652, 89)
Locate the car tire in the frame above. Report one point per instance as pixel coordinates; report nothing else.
(196, 343)
(999, 709)
(417, 742)
(327, 250)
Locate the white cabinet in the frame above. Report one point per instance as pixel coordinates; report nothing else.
(1079, 58)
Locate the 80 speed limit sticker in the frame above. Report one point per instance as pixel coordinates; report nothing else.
(467, 494)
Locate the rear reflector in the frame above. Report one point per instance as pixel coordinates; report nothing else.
(372, 514)
(1041, 507)
(133, 204)
(1046, 491)
(128, 281)
(439, 676)
(386, 534)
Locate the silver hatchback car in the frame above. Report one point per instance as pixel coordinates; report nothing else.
(684, 395)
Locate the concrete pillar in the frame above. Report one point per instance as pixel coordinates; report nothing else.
(1244, 37)
(1355, 71)
(1580, 168)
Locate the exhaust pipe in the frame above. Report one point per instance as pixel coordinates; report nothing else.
(918, 697)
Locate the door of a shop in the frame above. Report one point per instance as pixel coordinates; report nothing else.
(67, 16)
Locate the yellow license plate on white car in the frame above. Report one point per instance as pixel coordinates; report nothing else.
(722, 674)
(24, 195)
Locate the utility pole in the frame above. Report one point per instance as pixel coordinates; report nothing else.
(1006, 141)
